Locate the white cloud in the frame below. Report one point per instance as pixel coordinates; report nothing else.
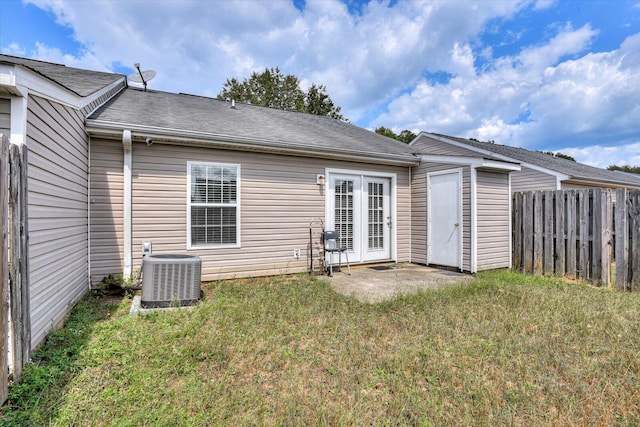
(549, 93)
(363, 59)
(604, 156)
(535, 99)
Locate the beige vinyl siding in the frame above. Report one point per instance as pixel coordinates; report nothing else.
(106, 195)
(435, 147)
(57, 193)
(420, 208)
(528, 179)
(568, 185)
(5, 117)
(279, 198)
(419, 214)
(493, 220)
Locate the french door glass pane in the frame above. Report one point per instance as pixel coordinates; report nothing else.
(344, 212)
(376, 215)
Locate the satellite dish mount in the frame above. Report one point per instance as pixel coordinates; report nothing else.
(142, 76)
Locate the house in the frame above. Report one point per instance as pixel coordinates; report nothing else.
(239, 185)
(111, 167)
(539, 171)
(43, 106)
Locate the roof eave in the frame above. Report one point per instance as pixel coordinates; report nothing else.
(590, 181)
(196, 138)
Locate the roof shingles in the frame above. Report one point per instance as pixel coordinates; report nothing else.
(81, 82)
(214, 117)
(574, 170)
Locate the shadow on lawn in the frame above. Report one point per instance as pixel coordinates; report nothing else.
(37, 398)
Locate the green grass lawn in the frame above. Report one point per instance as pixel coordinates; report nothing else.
(506, 350)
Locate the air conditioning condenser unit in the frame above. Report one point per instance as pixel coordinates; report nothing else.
(170, 280)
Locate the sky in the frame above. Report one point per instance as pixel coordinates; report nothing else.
(540, 74)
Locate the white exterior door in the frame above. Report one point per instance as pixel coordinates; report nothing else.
(358, 206)
(376, 219)
(444, 239)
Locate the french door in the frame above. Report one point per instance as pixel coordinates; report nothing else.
(358, 206)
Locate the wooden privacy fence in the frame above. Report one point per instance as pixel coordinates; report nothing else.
(14, 264)
(579, 234)
(4, 267)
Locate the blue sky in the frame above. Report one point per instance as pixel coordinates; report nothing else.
(541, 74)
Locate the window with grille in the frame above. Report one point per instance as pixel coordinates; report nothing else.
(344, 212)
(376, 215)
(213, 204)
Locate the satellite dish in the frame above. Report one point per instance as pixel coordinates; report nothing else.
(142, 76)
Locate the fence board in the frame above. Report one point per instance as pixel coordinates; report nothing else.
(560, 241)
(538, 237)
(622, 238)
(634, 243)
(596, 226)
(571, 234)
(4, 267)
(548, 232)
(607, 233)
(517, 231)
(528, 235)
(583, 239)
(19, 256)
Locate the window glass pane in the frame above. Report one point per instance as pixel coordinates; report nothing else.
(214, 189)
(198, 184)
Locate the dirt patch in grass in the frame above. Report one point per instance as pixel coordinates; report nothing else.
(506, 350)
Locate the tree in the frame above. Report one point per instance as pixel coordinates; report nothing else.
(625, 168)
(386, 132)
(273, 89)
(405, 136)
(559, 155)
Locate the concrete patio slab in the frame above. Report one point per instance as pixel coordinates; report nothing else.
(384, 282)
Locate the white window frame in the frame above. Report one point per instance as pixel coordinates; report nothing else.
(236, 205)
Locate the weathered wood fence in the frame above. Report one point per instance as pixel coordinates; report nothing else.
(589, 235)
(4, 268)
(15, 323)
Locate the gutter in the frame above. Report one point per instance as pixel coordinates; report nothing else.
(195, 138)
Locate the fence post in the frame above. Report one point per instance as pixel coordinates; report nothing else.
(4, 267)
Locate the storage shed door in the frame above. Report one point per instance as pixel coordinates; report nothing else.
(444, 241)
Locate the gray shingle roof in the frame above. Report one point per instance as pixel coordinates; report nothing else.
(268, 126)
(574, 170)
(81, 82)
